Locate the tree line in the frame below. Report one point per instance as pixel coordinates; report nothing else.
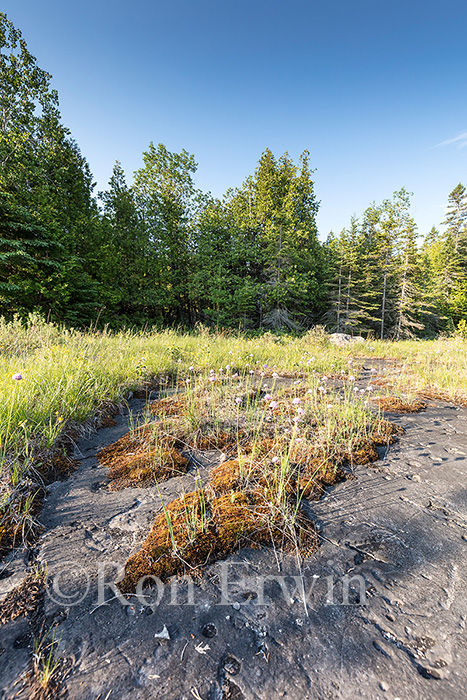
(161, 252)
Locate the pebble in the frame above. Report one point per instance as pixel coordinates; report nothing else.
(164, 634)
(384, 686)
(236, 606)
(428, 672)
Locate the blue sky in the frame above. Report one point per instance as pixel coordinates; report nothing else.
(376, 91)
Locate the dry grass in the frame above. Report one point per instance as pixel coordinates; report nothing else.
(23, 600)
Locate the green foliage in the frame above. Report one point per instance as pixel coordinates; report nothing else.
(160, 252)
(46, 190)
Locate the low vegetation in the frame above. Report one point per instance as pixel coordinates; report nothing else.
(56, 383)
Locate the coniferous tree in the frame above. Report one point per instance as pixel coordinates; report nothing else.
(275, 212)
(456, 216)
(126, 279)
(29, 258)
(47, 179)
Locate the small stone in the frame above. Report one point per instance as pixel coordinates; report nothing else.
(416, 477)
(384, 686)
(390, 617)
(236, 606)
(428, 672)
(164, 634)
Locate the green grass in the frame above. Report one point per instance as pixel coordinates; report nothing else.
(68, 375)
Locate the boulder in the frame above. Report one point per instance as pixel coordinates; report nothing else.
(342, 339)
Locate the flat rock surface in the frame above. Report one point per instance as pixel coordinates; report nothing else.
(379, 611)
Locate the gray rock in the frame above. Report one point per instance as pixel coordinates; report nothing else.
(342, 339)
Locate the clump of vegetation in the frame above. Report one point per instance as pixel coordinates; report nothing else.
(144, 456)
(47, 667)
(279, 448)
(395, 404)
(52, 380)
(210, 523)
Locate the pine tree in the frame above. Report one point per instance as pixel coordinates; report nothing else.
(127, 282)
(46, 177)
(456, 216)
(275, 212)
(409, 294)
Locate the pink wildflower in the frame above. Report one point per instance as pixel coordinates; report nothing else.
(273, 404)
(17, 376)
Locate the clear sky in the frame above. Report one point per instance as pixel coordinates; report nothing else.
(376, 91)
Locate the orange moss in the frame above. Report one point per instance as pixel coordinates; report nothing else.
(169, 406)
(55, 466)
(195, 531)
(226, 477)
(220, 440)
(22, 600)
(145, 456)
(315, 475)
(439, 395)
(362, 452)
(252, 499)
(395, 404)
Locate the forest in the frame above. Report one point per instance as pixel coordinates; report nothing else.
(161, 253)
